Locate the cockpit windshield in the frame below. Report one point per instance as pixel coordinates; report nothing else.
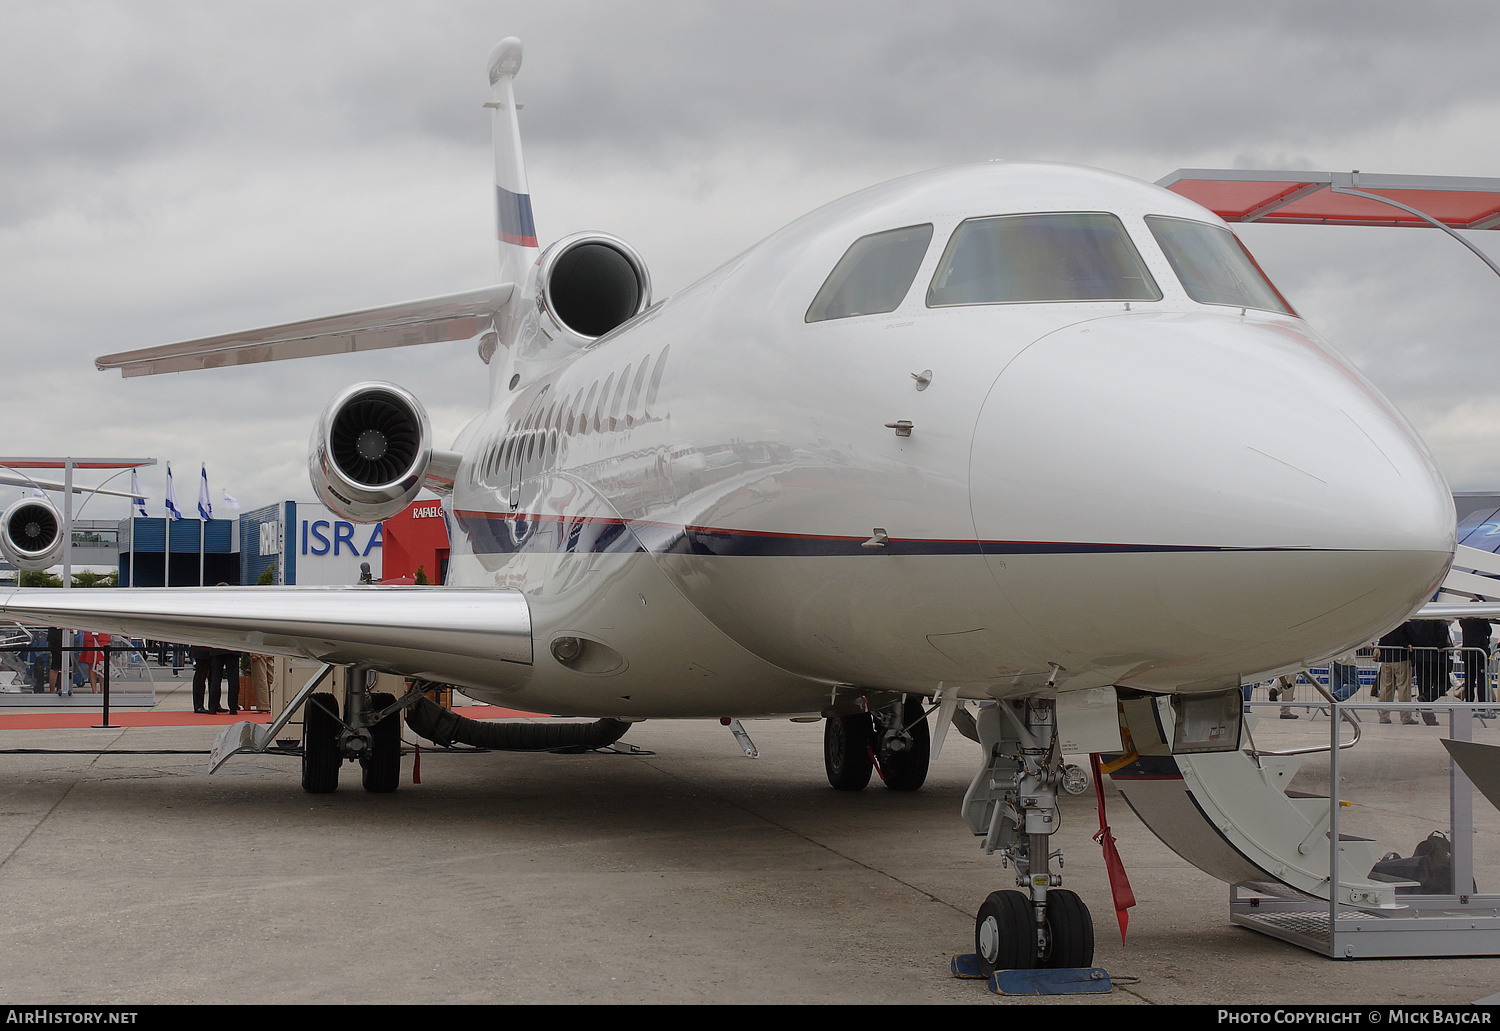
(1057, 256)
(1214, 266)
(873, 275)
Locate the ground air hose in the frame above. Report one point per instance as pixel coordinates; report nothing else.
(445, 727)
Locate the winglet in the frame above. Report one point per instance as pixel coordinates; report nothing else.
(517, 230)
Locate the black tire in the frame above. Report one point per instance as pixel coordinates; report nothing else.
(320, 745)
(381, 769)
(1070, 931)
(1005, 933)
(907, 771)
(847, 741)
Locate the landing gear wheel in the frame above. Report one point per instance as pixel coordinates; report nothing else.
(381, 768)
(1005, 933)
(906, 771)
(1070, 931)
(847, 741)
(320, 745)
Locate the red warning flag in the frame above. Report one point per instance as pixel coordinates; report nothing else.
(1119, 883)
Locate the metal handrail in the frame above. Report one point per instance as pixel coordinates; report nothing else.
(1310, 749)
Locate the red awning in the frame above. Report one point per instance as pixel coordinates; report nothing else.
(78, 463)
(1314, 198)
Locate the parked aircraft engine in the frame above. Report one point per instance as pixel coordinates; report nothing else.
(587, 284)
(371, 452)
(31, 534)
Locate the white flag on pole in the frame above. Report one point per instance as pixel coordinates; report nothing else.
(229, 500)
(138, 502)
(205, 506)
(172, 497)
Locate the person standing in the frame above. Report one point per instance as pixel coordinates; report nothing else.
(54, 652)
(225, 663)
(1476, 652)
(1430, 644)
(94, 656)
(202, 666)
(1343, 675)
(1393, 679)
(1285, 689)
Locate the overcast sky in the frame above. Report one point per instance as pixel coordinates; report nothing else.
(171, 170)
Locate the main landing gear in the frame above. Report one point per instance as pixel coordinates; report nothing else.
(892, 740)
(1012, 803)
(370, 731)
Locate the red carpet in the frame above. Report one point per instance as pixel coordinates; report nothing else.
(66, 718)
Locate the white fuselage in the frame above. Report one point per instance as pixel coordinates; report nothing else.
(1165, 494)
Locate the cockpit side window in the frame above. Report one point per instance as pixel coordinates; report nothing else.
(1215, 268)
(873, 276)
(1056, 256)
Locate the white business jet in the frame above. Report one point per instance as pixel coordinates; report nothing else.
(1031, 434)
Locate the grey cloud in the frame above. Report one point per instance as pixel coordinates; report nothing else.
(176, 169)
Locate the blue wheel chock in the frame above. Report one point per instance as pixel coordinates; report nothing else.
(1060, 981)
(967, 967)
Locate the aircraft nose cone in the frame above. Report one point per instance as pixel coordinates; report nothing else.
(1229, 476)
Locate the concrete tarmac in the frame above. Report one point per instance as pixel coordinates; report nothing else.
(692, 875)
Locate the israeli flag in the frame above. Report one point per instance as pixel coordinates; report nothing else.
(205, 506)
(139, 501)
(172, 497)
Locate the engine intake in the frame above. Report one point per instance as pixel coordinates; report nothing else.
(31, 534)
(370, 451)
(589, 283)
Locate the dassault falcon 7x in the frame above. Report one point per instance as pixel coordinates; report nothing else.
(1035, 435)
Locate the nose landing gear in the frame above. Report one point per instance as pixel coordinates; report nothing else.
(1012, 803)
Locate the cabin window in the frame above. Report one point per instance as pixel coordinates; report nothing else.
(1058, 256)
(1214, 266)
(873, 276)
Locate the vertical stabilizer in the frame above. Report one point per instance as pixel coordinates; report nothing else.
(517, 231)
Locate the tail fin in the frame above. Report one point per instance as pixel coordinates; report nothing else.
(517, 231)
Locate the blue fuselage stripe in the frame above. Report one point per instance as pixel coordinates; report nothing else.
(492, 534)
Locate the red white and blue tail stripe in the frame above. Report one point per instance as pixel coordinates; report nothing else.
(516, 226)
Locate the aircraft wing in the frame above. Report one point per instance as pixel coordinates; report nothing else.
(445, 634)
(452, 317)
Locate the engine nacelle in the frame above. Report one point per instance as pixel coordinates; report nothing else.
(370, 452)
(31, 536)
(586, 284)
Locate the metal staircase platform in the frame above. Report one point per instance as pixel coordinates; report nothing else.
(1427, 925)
